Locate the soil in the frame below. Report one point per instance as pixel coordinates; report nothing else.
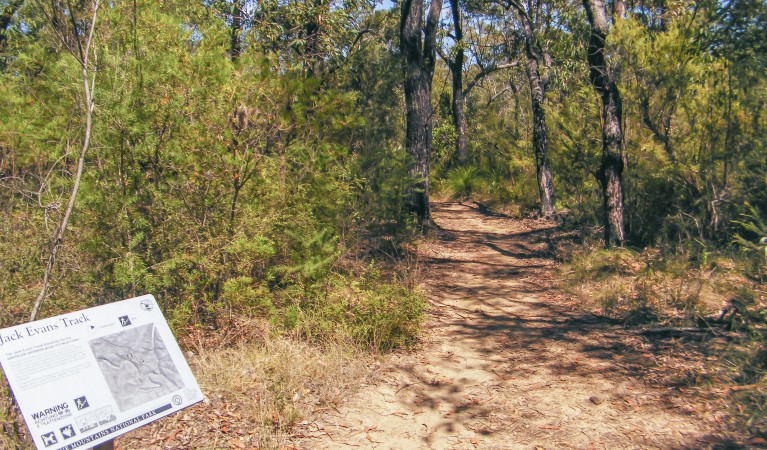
(508, 362)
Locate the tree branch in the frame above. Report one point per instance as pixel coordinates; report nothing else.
(485, 72)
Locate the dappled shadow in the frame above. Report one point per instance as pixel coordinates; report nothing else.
(491, 290)
(508, 362)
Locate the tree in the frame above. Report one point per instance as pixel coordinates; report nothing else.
(418, 45)
(603, 80)
(485, 53)
(456, 70)
(78, 41)
(530, 18)
(6, 16)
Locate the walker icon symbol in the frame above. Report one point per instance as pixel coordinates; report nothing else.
(81, 403)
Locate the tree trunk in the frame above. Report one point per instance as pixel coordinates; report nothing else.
(540, 139)
(459, 116)
(611, 168)
(420, 56)
(530, 20)
(456, 68)
(236, 45)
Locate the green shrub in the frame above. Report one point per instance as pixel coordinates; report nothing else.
(374, 314)
(753, 242)
(464, 181)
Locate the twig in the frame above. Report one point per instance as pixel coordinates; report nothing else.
(670, 330)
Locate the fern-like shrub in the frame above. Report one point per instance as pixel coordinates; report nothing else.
(464, 181)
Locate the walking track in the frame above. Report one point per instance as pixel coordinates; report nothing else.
(506, 363)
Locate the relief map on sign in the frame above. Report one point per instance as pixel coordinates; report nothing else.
(136, 366)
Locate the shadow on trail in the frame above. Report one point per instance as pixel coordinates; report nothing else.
(498, 304)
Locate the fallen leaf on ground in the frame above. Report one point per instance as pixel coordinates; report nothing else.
(173, 435)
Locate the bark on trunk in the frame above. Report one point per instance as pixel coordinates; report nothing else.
(535, 55)
(419, 59)
(540, 139)
(456, 68)
(611, 168)
(619, 9)
(236, 46)
(459, 116)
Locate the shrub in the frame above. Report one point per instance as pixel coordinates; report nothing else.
(375, 314)
(464, 181)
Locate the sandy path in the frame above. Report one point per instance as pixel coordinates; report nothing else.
(506, 364)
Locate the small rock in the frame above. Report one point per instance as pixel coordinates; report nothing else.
(597, 399)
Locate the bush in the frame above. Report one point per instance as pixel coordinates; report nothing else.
(374, 314)
(464, 181)
(648, 287)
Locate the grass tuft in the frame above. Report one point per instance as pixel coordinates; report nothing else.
(258, 385)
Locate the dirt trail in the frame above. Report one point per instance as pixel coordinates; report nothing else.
(506, 364)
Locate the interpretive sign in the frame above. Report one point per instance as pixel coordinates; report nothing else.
(84, 378)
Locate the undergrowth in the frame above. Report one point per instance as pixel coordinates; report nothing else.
(718, 296)
(371, 313)
(283, 347)
(493, 187)
(651, 287)
(259, 385)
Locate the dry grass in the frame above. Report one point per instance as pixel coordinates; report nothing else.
(257, 390)
(724, 357)
(644, 288)
(258, 386)
(14, 432)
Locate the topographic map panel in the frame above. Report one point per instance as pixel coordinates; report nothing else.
(136, 366)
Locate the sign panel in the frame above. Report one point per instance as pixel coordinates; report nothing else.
(84, 378)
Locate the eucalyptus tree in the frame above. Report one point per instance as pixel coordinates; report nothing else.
(602, 78)
(456, 70)
(531, 18)
(418, 42)
(76, 36)
(523, 30)
(484, 48)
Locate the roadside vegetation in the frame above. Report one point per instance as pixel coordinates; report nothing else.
(264, 169)
(709, 306)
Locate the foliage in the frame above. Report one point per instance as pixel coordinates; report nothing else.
(210, 184)
(230, 188)
(373, 313)
(238, 185)
(753, 242)
(464, 181)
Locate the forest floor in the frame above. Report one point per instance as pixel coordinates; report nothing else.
(507, 361)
